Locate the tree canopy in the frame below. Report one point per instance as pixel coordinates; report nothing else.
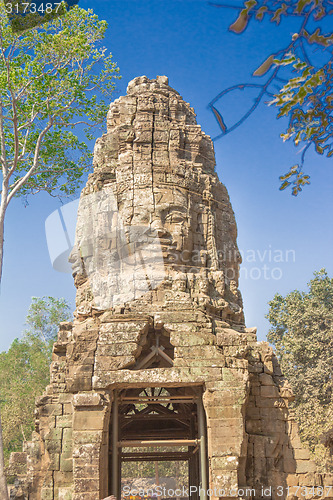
(25, 369)
(303, 73)
(302, 334)
(53, 81)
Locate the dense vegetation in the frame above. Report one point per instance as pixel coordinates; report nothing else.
(302, 334)
(25, 370)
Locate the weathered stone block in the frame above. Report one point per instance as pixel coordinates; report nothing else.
(64, 421)
(86, 452)
(224, 397)
(254, 426)
(256, 367)
(178, 338)
(229, 337)
(82, 471)
(66, 462)
(265, 379)
(47, 494)
(54, 409)
(239, 364)
(85, 485)
(105, 363)
(304, 466)
(253, 413)
(225, 463)
(83, 436)
(53, 446)
(327, 479)
(292, 480)
(88, 399)
(117, 349)
(63, 478)
(54, 461)
(86, 496)
(88, 420)
(233, 377)
(65, 493)
(269, 391)
(302, 454)
(54, 434)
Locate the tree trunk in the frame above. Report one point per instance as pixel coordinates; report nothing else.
(3, 208)
(3, 481)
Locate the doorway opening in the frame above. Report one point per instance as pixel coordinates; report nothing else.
(158, 432)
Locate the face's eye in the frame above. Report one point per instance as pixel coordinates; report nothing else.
(178, 218)
(175, 217)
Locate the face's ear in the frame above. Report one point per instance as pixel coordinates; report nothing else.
(74, 255)
(77, 262)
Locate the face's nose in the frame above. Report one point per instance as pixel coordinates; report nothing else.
(162, 232)
(157, 226)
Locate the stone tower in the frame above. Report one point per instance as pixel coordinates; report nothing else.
(158, 355)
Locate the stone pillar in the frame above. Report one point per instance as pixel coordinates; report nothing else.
(90, 445)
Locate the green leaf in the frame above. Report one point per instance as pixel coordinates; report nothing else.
(277, 15)
(241, 23)
(265, 66)
(284, 185)
(250, 3)
(261, 12)
(301, 4)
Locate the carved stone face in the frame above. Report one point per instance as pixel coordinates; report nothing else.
(171, 217)
(171, 224)
(166, 213)
(119, 261)
(172, 221)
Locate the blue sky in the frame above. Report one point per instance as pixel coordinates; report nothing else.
(188, 41)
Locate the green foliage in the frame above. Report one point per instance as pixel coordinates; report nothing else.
(135, 473)
(302, 334)
(303, 72)
(25, 370)
(43, 318)
(53, 79)
(259, 10)
(307, 97)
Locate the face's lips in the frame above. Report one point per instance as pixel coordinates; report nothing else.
(166, 241)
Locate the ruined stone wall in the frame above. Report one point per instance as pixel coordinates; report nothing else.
(154, 186)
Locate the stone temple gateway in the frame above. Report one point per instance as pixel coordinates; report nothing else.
(158, 363)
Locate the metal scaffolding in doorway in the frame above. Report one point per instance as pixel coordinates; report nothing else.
(159, 424)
